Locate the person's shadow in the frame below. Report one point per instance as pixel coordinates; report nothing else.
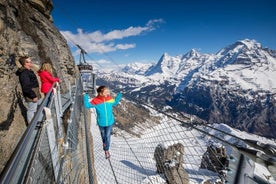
(22, 107)
(138, 168)
(17, 98)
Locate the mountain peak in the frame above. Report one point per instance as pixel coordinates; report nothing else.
(240, 46)
(192, 53)
(164, 56)
(249, 44)
(136, 68)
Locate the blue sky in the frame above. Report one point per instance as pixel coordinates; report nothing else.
(120, 31)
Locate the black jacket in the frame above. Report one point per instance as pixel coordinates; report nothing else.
(29, 83)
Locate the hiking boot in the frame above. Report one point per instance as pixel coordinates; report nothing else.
(107, 154)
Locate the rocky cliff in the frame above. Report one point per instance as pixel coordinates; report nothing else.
(26, 28)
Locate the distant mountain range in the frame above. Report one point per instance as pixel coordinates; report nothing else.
(236, 86)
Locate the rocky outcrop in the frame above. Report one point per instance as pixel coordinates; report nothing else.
(215, 159)
(26, 28)
(169, 161)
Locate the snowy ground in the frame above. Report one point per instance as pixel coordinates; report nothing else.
(126, 167)
(132, 159)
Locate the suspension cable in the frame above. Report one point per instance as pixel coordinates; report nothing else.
(136, 157)
(112, 171)
(189, 125)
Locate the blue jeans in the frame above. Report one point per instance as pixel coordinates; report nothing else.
(106, 134)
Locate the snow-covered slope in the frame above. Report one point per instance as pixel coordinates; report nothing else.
(131, 154)
(235, 86)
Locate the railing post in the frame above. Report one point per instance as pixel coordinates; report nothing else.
(58, 113)
(59, 100)
(52, 142)
(70, 91)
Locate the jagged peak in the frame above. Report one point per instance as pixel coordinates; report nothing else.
(250, 44)
(192, 53)
(240, 45)
(165, 55)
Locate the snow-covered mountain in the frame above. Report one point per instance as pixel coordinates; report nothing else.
(235, 86)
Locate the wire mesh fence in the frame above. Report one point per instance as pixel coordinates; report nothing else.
(75, 161)
(179, 151)
(170, 151)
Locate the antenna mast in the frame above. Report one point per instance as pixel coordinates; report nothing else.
(82, 52)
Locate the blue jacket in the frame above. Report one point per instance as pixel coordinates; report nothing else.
(103, 106)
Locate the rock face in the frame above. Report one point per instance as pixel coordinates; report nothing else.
(26, 28)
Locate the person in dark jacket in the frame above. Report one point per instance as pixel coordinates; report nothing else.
(103, 104)
(30, 86)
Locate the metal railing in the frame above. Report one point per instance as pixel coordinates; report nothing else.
(55, 146)
(76, 161)
(17, 167)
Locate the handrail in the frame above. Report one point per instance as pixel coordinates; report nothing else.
(13, 163)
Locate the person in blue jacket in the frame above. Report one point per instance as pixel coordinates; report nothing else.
(103, 103)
